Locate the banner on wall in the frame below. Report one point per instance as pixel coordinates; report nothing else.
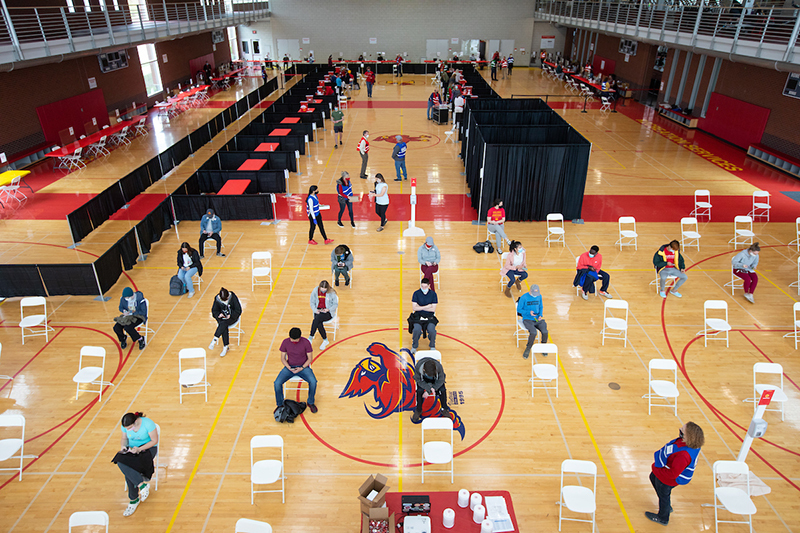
(548, 41)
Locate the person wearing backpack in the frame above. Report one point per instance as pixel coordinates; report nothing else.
(296, 356)
(188, 265)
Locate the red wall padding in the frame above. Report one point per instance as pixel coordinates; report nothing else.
(608, 68)
(735, 121)
(75, 112)
(196, 64)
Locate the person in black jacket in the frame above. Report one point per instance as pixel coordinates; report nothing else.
(430, 379)
(226, 311)
(188, 265)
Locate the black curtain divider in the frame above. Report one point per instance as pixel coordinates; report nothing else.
(277, 160)
(167, 161)
(242, 207)
(213, 127)
(305, 118)
(242, 107)
(105, 204)
(127, 250)
(80, 223)
(20, 280)
(252, 99)
(145, 231)
(154, 169)
(76, 280)
(181, 151)
(248, 143)
(211, 181)
(262, 129)
(515, 118)
(525, 135)
(230, 115)
(134, 183)
(109, 266)
(199, 138)
(160, 220)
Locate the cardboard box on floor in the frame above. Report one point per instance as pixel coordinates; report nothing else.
(377, 483)
(378, 513)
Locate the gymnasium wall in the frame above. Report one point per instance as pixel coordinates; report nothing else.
(544, 28)
(638, 70)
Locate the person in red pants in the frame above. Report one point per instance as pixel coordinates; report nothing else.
(744, 266)
(428, 256)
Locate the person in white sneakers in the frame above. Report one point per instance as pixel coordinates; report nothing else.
(226, 310)
(589, 271)
(495, 219)
(744, 266)
(324, 302)
(139, 446)
(669, 262)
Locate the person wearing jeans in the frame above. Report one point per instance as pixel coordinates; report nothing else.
(370, 79)
(131, 305)
(495, 220)
(399, 156)
(669, 262)
(531, 309)
(324, 302)
(381, 196)
(188, 265)
(296, 356)
(744, 266)
(589, 271)
(514, 267)
(363, 151)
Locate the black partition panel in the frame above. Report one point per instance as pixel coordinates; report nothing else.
(181, 151)
(76, 280)
(211, 181)
(241, 207)
(199, 138)
(167, 162)
(20, 280)
(109, 267)
(80, 223)
(128, 250)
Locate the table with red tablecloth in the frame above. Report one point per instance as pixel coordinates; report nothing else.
(290, 120)
(252, 164)
(280, 132)
(234, 187)
(267, 147)
(449, 500)
(70, 148)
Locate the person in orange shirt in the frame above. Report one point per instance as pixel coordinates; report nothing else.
(495, 219)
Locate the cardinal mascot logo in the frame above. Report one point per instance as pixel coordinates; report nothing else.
(390, 378)
(406, 138)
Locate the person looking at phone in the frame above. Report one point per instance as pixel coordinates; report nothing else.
(296, 356)
(139, 445)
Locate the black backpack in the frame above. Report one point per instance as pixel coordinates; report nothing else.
(289, 411)
(176, 287)
(481, 247)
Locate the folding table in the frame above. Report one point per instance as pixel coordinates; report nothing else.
(235, 187)
(253, 164)
(280, 132)
(290, 120)
(267, 147)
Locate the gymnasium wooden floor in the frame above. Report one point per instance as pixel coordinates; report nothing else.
(508, 440)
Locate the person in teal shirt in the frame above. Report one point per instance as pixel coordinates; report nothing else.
(139, 445)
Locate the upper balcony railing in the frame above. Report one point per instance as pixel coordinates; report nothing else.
(31, 33)
(766, 33)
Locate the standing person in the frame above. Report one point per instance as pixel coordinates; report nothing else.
(341, 264)
(433, 100)
(369, 77)
(674, 465)
(324, 302)
(286, 62)
(381, 196)
(510, 63)
(139, 446)
(495, 221)
(296, 357)
(363, 150)
(589, 270)
(210, 228)
(330, 60)
(264, 72)
(314, 216)
(226, 310)
(458, 107)
(493, 68)
(207, 71)
(430, 379)
(399, 62)
(669, 262)
(188, 265)
(134, 313)
(543, 57)
(422, 320)
(344, 194)
(504, 66)
(531, 309)
(399, 156)
(514, 267)
(429, 257)
(744, 266)
(338, 124)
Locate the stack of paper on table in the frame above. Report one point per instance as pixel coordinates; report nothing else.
(497, 512)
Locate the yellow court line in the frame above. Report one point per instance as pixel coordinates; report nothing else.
(773, 283)
(221, 407)
(609, 155)
(400, 417)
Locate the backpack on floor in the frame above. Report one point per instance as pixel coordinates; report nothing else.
(176, 287)
(481, 247)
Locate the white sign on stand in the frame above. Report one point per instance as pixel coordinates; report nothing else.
(413, 230)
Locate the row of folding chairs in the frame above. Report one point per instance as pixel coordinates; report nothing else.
(83, 519)
(101, 148)
(760, 205)
(690, 236)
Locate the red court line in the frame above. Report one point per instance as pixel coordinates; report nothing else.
(767, 357)
(34, 356)
(388, 104)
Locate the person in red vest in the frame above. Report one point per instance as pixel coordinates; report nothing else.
(674, 465)
(363, 149)
(399, 61)
(543, 56)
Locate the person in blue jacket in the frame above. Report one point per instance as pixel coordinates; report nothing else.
(210, 228)
(134, 313)
(531, 309)
(399, 156)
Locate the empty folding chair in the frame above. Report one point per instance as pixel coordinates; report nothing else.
(121, 137)
(342, 102)
(732, 499)
(742, 231)
(576, 498)
(761, 205)
(661, 388)
(74, 159)
(627, 233)
(690, 235)
(141, 127)
(779, 397)
(451, 134)
(266, 471)
(555, 231)
(89, 518)
(8, 447)
(713, 326)
(192, 378)
(34, 322)
(797, 283)
(89, 373)
(796, 320)
(606, 104)
(98, 149)
(261, 269)
(13, 190)
(618, 324)
(542, 374)
(245, 525)
(796, 242)
(437, 452)
(702, 204)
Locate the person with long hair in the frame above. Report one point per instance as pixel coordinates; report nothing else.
(324, 302)
(381, 196)
(188, 265)
(344, 194)
(139, 446)
(226, 310)
(314, 216)
(495, 221)
(514, 267)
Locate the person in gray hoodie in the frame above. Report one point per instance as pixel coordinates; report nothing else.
(341, 263)
(744, 266)
(429, 257)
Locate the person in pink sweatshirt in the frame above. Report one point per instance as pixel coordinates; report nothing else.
(588, 271)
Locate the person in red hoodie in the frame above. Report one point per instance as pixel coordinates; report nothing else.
(674, 465)
(589, 270)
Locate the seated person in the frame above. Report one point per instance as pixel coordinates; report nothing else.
(669, 262)
(495, 221)
(530, 308)
(134, 313)
(139, 447)
(226, 310)
(341, 264)
(429, 257)
(210, 228)
(188, 265)
(324, 302)
(429, 377)
(744, 266)
(296, 356)
(423, 321)
(588, 271)
(514, 267)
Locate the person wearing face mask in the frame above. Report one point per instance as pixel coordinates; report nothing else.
(674, 465)
(341, 264)
(381, 196)
(531, 309)
(363, 150)
(668, 261)
(429, 257)
(495, 220)
(210, 228)
(134, 313)
(226, 310)
(514, 267)
(588, 271)
(422, 321)
(430, 379)
(188, 265)
(314, 216)
(344, 194)
(744, 266)
(324, 302)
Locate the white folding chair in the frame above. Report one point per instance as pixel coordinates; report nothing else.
(266, 471)
(342, 103)
(732, 499)
(433, 354)
(667, 285)
(735, 282)
(627, 237)
(98, 149)
(121, 137)
(690, 235)
(576, 498)
(660, 388)
(758, 388)
(555, 232)
(761, 205)
(143, 329)
(5, 378)
(8, 447)
(742, 231)
(503, 258)
(12, 190)
(606, 104)
(541, 373)
(90, 374)
(141, 127)
(264, 270)
(192, 378)
(520, 332)
(796, 242)
(235, 330)
(245, 525)
(610, 322)
(35, 323)
(797, 283)
(74, 159)
(88, 518)
(715, 324)
(702, 204)
(437, 452)
(450, 135)
(795, 335)
(332, 325)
